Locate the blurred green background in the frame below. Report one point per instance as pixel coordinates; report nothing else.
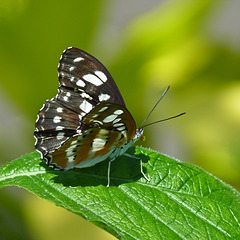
(146, 45)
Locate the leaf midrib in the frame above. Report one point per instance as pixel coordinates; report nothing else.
(24, 174)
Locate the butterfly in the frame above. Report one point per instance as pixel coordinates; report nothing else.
(87, 121)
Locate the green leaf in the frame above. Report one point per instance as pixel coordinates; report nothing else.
(180, 202)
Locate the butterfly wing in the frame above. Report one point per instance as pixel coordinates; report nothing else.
(84, 83)
(54, 125)
(79, 70)
(105, 129)
(85, 150)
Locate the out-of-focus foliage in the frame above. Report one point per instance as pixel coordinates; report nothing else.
(172, 44)
(12, 217)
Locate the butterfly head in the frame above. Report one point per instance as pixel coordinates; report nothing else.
(139, 134)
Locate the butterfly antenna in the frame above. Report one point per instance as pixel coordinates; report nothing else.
(154, 106)
(165, 119)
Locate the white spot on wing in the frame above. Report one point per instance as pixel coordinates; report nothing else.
(57, 119)
(65, 98)
(103, 97)
(86, 106)
(109, 118)
(78, 59)
(68, 94)
(71, 159)
(118, 124)
(71, 68)
(69, 151)
(59, 128)
(98, 144)
(62, 74)
(73, 143)
(92, 79)
(103, 109)
(60, 136)
(101, 75)
(85, 95)
(59, 109)
(103, 131)
(117, 120)
(118, 112)
(96, 121)
(121, 128)
(80, 83)
(79, 131)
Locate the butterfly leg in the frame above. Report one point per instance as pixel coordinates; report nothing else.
(109, 170)
(132, 156)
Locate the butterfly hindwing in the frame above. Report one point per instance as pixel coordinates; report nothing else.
(87, 149)
(104, 129)
(112, 117)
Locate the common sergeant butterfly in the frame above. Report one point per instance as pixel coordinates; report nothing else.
(87, 121)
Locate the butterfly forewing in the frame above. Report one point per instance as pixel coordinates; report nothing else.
(75, 100)
(50, 141)
(54, 116)
(55, 124)
(79, 70)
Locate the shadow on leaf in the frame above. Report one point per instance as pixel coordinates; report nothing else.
(123, 170)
